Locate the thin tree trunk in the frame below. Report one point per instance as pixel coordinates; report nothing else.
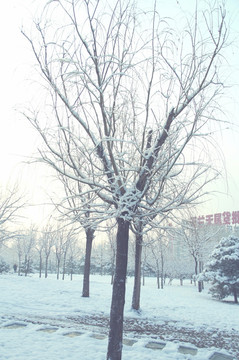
(26, 266)
(58, 269)
(118, 295)
(64, 267)
(40, 266)
(86, 279)
(46, 267)
(137, 270)
(235, 296)
(157, 274)
(162, 271)
(158, 283)
(196, 270)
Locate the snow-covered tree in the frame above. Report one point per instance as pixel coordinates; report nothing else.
(223, 269)
(129, 95)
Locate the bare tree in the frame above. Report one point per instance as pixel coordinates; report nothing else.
(11, 202)
(77, 205)
(198, 239)
(39, 248)
(48, 241)
(24, 244)
(28, 241)
(158, 246)
(63, 238)
(69, 243)
(19, 255)
(59, 249)
(129, 101)
(74, 253)
(142, 226)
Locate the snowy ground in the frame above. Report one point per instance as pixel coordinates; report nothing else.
(43, 303)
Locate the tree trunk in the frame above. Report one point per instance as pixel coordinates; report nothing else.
(162, 271)
(137, 271)
(64, 267)
(158, 282)
(26, 265)
(58, 269)
(40, 266)
(157, 274)
(200, 283)
(235, 296)
(46, 267)
(196, 266)
(19, 266)
(196, 270)
(86, 279)
(118, 295)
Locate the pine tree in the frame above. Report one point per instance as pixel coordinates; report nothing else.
(223, 269)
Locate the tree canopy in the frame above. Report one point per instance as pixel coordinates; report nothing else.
(129, 95)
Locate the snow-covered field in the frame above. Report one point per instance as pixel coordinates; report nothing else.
(40, 303)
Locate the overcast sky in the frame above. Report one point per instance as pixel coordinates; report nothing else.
(18, 141)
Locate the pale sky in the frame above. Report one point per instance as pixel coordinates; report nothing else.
(18, 141)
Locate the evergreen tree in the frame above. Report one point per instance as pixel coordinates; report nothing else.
(223, 269)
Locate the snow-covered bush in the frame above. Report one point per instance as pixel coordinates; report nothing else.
(4, 267)
(223, 269)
